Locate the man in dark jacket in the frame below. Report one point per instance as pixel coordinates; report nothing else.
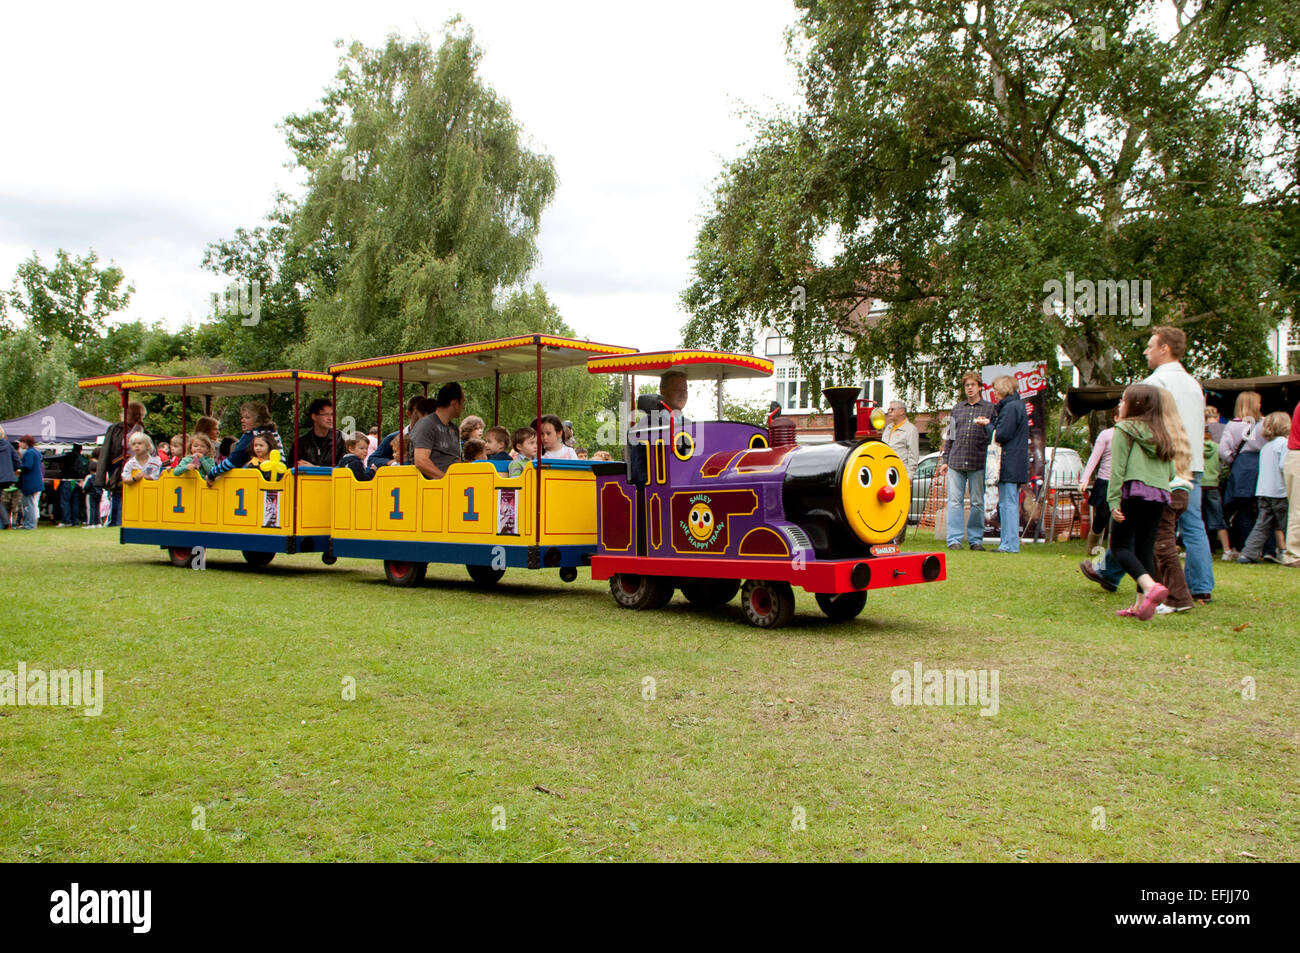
(112, 454)
(321, 445)
(1010, 428)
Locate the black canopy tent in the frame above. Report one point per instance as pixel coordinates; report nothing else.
(1276, 392)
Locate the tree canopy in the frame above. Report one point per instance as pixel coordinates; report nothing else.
(951, 160)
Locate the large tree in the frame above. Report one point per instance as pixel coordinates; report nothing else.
(952, 159)
(422, 193)
(70, 301)
(418, 227)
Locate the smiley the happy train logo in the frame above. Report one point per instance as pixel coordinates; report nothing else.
(701, 527)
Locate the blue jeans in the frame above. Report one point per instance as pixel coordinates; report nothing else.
(1199, 566)
(31, 509)
(115, 513)
(92, 505)
(959, 481)
(1009, 517)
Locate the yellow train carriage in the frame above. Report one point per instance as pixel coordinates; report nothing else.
(247, 510)
(257, 512)
(476, 514)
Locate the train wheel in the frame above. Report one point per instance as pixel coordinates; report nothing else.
(843, 606)
(640, 592)
(404, 574)
(257, 560)
(182, 557)
(485, 575)
(710, 593)
(768, 605)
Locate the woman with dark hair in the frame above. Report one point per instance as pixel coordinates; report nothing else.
(1141, 471)
(32, 481)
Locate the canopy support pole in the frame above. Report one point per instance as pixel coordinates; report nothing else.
(334, 405)
(296, 464)
(537, 463)
(496, 399)
(184, 419)
(719, 397)
(401, 414)
(625, 410)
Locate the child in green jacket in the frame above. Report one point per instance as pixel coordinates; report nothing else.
(1141, 469)
(201, 458)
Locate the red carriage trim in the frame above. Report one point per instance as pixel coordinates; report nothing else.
(762, 461)
(763, 541)
(691, 536)
(616, 518)
(717, 462)
(814, 575)
(656, 522)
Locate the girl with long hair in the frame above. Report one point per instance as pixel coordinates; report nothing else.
(1141, 469)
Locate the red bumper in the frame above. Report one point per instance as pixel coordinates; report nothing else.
(820, 575)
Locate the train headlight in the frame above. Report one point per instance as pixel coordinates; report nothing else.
(877, 420)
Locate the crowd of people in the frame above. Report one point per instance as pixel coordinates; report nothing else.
(1170, 469)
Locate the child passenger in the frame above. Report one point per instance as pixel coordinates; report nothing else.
(525, 444)
(354, 459)
(143, 463)
(473, 450)
(1270, 490)
(260, 448)
(200, 458)
(551, 429)
(1141, 468)
(496, 441)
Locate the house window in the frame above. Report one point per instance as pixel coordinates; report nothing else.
(776, 345)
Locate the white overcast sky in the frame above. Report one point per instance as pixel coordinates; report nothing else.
(146, 131)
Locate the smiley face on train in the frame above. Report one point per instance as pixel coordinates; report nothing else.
(700, 522)
(876, 491)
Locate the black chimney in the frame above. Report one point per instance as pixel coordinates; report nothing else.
(844, 405)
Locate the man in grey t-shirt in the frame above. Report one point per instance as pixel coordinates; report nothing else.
(435, 438)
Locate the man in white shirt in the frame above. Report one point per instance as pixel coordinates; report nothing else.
(901, 436)
(1164, 353)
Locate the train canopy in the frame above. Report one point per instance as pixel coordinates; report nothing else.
(696, 365)
(256, 382)
(463, 362)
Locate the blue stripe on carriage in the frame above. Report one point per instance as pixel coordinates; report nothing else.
(461, 554)
(250, 542)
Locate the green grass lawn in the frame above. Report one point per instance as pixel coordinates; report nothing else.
(526, 706)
